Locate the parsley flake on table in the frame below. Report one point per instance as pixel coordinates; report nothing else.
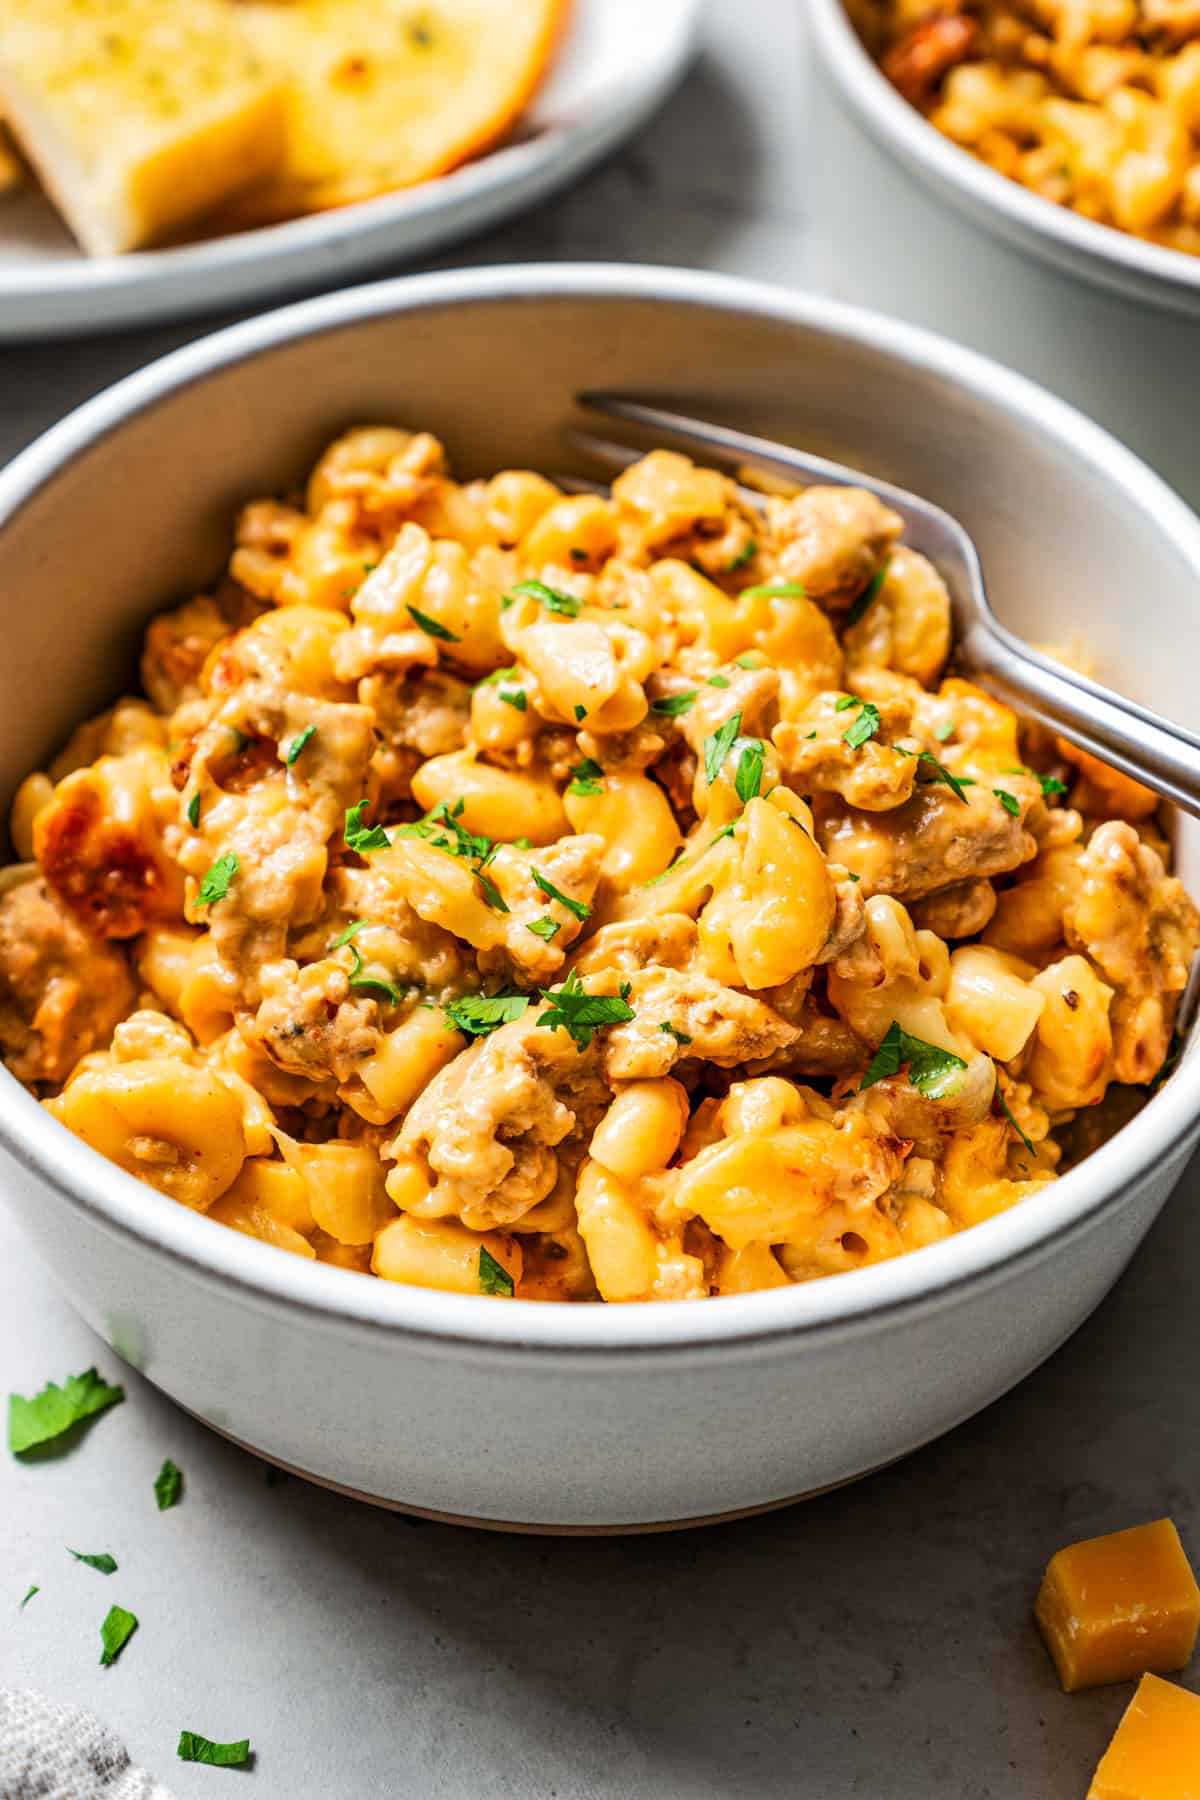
(1008, 801)
(297, 744)
(580, 908)
(587, 777)
(717, 746)
(546, 929)
(747, 777)
(673, 705)
(553, 599)
(55, 1410)
(29, 1593)
(217, 879)
(193, 810)
(168, 1486)
(863, 727)
(931, 1070)
(477, 1014)
(775, 590)
(101, 1560)
(433, 627)
(362, 837)
(194, 1747)
(869, 593)
(115, 1632)
(580, 1014)
(1007, 1111)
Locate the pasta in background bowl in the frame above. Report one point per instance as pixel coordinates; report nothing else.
(550, 1414)
(567, 897)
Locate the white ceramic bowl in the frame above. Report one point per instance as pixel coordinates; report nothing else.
(543, 1415)
(1098, 253)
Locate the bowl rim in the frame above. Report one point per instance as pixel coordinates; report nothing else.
(340, 1299)
(981, 189)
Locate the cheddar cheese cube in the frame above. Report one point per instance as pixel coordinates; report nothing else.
(1155, 1752)
(1113, 1608)
(137, 116)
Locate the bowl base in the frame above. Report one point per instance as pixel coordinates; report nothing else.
(646, 1529)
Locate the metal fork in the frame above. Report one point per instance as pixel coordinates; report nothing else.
(1140, 743)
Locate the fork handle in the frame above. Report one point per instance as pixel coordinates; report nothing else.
(1141, 745)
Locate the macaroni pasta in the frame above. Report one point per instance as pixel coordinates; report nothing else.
(579, 897)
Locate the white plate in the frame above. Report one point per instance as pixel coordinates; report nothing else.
(619, 60)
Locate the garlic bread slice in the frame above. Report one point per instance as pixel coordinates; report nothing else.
(138, 115)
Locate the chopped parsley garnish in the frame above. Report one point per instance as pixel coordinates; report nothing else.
(945, 731)
(193, 1746)
(775, 590)
(434, 627)
(745, 555)
(851, 876)
(193, 810)
(352, 930)
(297, 744)
(674, 704)
(544, 929)
(116, 1631)
(217, 879)
(682, 857)
(53, 1411)
(581, 1014)
(863, 727)
(478, 1014)
(168, 1486)
(587, 777)
(931, 1070)
(514, 697)
(747, 777)
(580, 713)
(958, 784)
(1008, 801)
(1007, 1111)
(868, 594)
(494, 1278)
(579, 907)
(553, 599)
(718, 745)
(1050, 784)
(362, 837)
(29, 1593)
(681, 1037)
(101, 1560)
(846, 702)
(748, 661)
(718, 681)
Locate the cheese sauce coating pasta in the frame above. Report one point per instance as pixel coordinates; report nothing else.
(577, 898)
(1094, 104)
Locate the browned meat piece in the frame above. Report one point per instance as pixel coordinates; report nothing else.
(933, 841)
(916, 63)
(310, 1023)
(1137, 924)
(715, 1023)
(487, 1128)
(62, 991)
(831, 540)
(960, 911)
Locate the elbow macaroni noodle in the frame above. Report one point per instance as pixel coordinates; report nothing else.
(579, 898)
